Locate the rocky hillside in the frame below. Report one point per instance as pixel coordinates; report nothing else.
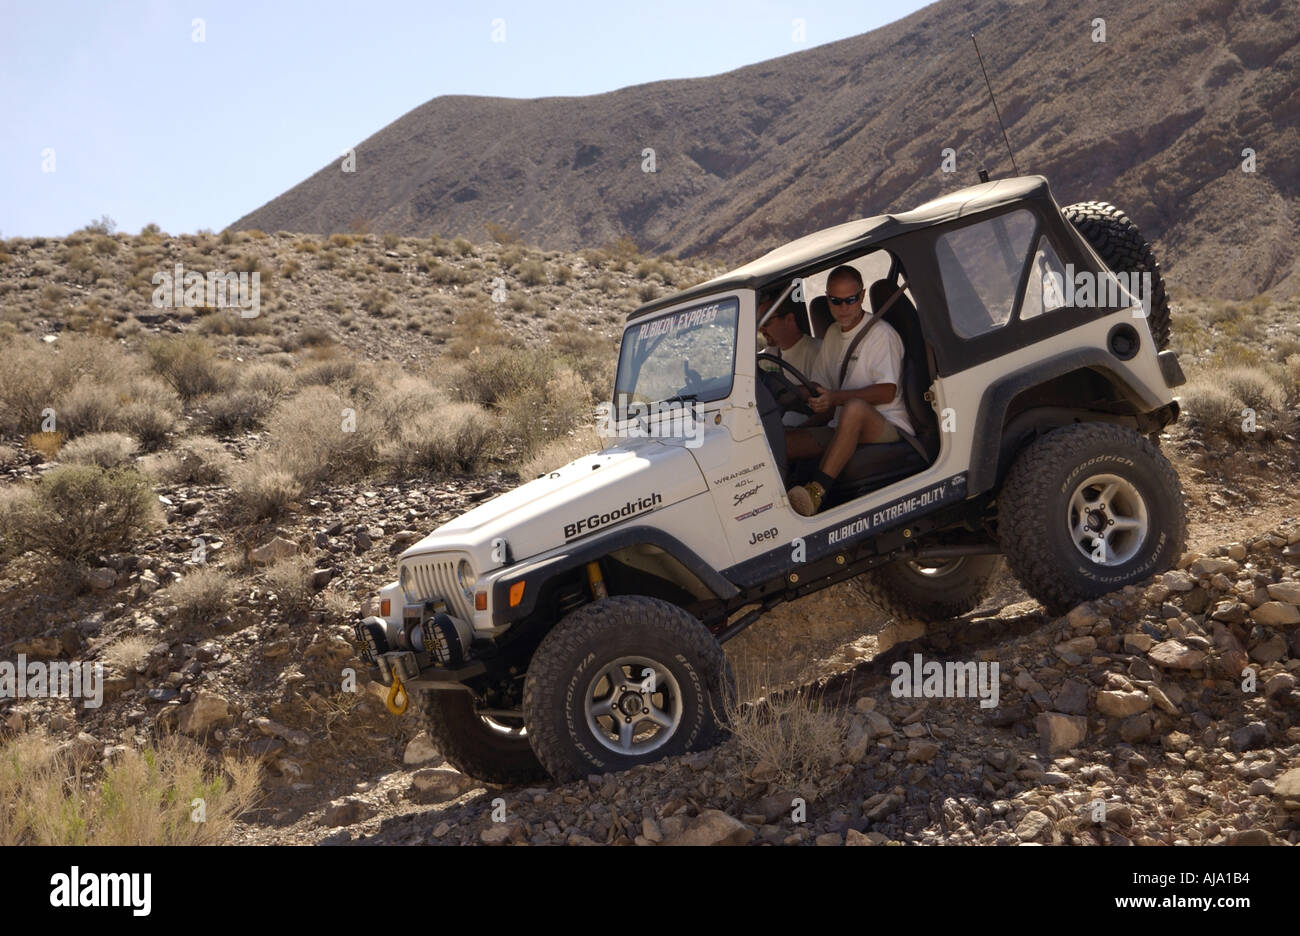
(1124, 722)
(1154, 119)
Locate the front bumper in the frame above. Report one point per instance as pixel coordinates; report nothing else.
(414, 666)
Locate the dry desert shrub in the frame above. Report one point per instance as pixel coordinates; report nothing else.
(35, 375)
(262, 490)
(259, 387)
(494, 374)
(456, 437)
(533, 416)
(103, 449)
(189, 364)
(559, 452)
(1236, 403)
(319, 434)
(195, 460)
(76, 511)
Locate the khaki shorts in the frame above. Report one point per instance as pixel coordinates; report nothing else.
(824, 435)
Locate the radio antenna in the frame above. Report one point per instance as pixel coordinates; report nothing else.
(995, 105)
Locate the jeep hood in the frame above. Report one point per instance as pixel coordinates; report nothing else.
(590, 495)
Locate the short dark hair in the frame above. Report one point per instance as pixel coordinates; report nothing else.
(844, 271)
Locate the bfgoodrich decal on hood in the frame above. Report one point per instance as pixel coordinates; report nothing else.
(591, 494)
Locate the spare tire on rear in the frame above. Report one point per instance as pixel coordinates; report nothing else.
(1121, 245)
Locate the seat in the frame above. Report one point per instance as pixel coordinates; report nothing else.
(819, 311)
(874, 466)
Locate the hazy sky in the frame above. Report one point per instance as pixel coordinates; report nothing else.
(141, 122)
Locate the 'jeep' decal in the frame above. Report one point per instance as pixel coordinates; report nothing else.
(596, 521)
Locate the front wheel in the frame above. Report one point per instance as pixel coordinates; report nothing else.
(624, 681)
(1087, 509)
(488, 749)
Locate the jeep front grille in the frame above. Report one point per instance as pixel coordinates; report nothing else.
(436, 578)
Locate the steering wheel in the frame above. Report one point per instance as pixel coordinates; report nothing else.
(787, 397)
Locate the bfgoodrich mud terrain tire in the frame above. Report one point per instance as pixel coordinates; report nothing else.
(624, 681)
(472, 745)
(1087, 509)
(1118, 241)
(931, 591)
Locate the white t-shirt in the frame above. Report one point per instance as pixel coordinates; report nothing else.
(878, 359)
(803, 356)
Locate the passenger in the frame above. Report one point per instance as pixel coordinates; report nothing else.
(782, 334)
(866, 408)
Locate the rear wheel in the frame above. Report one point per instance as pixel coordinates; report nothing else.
(931, 590)
(1087, 509)
(624, 681)
(494, 750)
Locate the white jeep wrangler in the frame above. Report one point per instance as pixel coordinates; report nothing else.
(574, 625)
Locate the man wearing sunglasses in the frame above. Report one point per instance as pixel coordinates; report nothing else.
(865, 407)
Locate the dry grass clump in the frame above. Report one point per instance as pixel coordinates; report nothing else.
(456, 437)
(318, 434)
(104, 449)
(195, 460)
(59, 795)
(791, 737)
(127, 654)
(202, 595)
(291, 582)
(262, 490)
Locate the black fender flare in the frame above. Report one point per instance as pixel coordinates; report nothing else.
(991, 420)
(536, 572)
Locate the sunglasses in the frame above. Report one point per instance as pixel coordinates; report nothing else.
(847, 300)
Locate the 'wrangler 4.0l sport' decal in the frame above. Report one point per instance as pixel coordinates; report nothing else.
(596, 521)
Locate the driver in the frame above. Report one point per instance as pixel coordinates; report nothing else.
(781, 332)
(867, 407)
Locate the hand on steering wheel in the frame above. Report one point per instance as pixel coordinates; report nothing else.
(786, 393)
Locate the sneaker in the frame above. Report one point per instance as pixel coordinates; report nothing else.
(806, 499)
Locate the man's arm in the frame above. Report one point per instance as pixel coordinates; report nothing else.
(876, 394)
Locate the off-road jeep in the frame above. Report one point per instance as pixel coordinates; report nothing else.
(574, 625)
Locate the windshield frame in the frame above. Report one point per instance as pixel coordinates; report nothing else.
(732, 298)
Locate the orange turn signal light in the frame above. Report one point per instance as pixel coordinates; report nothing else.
(385, 607)
(480, 601)
(516, 593)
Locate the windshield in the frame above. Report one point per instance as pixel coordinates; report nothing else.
(686, 356)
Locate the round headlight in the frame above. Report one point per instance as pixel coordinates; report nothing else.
(404, 579)
(466, 577)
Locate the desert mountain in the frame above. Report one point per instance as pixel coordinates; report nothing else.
(1154, 118)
